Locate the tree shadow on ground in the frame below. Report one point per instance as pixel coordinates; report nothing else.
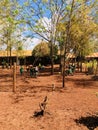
(84, 83)
(95, 78)
(39, 88)
(6, 88)
(47, 71)
(78, 82)
(91, 122)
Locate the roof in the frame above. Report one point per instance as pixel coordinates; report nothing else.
(29, 53)
(15, 53)
(93, 55)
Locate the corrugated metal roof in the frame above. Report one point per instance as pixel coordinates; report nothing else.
(93, 55)
(29, 53)
(15, 53)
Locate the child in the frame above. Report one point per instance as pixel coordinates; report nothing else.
(36, 71)
(31, 71)
(21, 70)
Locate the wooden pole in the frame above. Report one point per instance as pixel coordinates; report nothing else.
(14, 77)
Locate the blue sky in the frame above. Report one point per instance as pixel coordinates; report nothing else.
(46, 16)
(34, 39)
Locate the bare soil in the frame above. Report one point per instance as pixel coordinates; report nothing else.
(74, 107)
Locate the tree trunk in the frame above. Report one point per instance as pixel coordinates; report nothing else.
(80, 66)
(61, 63)
(17, 60)
(64, 72)
(66, 45)
(52, 66)
(96, 69)
(14, 77)
(10, 57)
(7, 57)
(52, 60)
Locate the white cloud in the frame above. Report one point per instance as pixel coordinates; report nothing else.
(44, 25)
(45, 22)
(27, 42)
(68, 1)
(30, 43)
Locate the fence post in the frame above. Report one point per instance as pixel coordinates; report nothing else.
(14, 77)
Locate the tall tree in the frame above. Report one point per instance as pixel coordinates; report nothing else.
(77, 30)
(42, 16)
(40, 50)
(9, 13)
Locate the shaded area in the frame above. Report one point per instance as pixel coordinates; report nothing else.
(6, 88)
(40, 88)
(47, 71)
(80, 83)
(26, 83)
(5, 75)
(83, 81)
(91, 122)
(95, 78)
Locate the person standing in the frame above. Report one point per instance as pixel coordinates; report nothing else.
(36, 71)
(21, 70)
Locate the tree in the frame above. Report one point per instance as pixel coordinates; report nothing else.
(40, 50)
(9, 23)
(76, 30)
(42, 16)
(84, 32)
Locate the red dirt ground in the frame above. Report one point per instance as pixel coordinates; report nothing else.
(74, 107)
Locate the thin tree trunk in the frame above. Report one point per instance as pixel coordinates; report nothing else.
(67, 41)
(61, 62)
(64, 72)
(7, 57)
(96, 69)
(52, 60)
(17, 60)
(7, 53)
(80, 66)
(10, 57)
(35, 60)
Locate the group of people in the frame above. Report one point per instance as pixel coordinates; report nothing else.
(33, 71)
(70, 70)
